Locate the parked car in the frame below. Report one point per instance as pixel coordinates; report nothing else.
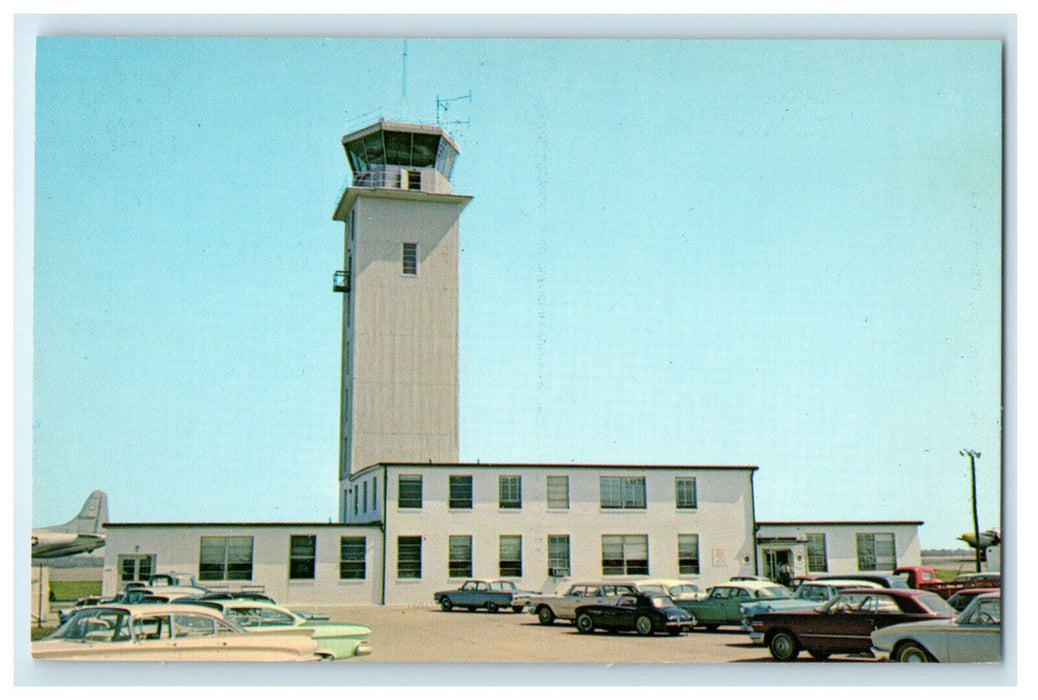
(642, 613)
(548, 608)
(974, 636)
(492, 595)
(844, 624)
(334, 640)
(146, 594)
(809, 595)
(890, 580)
(167, 633)
(722, 604)
(675, 588)
(925, 578)
(960, 599)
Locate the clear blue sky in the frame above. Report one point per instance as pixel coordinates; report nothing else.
(785, 254)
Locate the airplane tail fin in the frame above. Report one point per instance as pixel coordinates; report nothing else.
(90, 519)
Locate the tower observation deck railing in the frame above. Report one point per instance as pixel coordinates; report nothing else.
(395, 178)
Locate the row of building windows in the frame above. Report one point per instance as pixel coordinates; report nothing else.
(622, 555)
(615, 492)
(231, 558)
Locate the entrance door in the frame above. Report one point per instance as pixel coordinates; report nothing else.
(774, 559)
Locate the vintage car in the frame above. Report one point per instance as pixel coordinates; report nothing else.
(334, 640)
(808, 595)
(564, 607)
(886, 580)
(492, 595)
(167, 633)
(642, 613)
(845, 623)
(722, 604)
(974, 636)
(675, 588)
(962, 598)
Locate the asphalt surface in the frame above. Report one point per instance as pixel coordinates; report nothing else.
(426, 634)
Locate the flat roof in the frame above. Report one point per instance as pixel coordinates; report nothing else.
(520, 465)
(241, 524)
(839, 522)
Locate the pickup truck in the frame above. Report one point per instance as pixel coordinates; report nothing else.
(925, 578)
(564, 607)
(492, 595)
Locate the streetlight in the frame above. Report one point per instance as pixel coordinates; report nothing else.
(974, 456)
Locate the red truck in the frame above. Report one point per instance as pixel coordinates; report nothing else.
(924, 578)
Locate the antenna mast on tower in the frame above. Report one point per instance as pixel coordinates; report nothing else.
(443, 105)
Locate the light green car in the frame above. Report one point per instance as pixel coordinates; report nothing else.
(335, 640)
(722, 604)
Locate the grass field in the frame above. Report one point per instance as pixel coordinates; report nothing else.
(70, 590)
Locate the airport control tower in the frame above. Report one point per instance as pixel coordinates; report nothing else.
(399, 282)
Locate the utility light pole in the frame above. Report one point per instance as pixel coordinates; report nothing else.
(974, 456)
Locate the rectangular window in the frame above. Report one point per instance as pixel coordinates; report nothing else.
(816, 556)
(685, 492)
(409, 487)
(510, 551)
(622, 492)
(688, 554)
(460, 492)
(302, 556)
(374, 493)
(558, 492)
(558, 555)
(409, 556)
(625, 555)
(136, 567)
(510, 492)
(876, 551)
(410, 259)
(352, 557)
(459, 556)
(365, 500)
(225, 559)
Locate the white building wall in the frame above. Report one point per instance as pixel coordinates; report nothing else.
(177, 547)
(723, 520)
(403, 382)
(841, 540)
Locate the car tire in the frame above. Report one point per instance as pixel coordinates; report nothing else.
(784, 646)
(912, 653)
(643, 625)
(492, 607)
(545, 616)
(446, 605)
(517, 609)
(585, 625)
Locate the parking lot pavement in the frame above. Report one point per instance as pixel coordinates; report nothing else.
(426, 634)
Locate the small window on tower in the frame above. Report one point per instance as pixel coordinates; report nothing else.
(410, 259)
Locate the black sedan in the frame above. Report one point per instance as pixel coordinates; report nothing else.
(640, 613)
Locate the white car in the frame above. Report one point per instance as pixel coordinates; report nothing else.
(974, 636)
(675, 588)
(168, 633)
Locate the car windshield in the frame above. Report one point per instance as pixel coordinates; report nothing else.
(101, 625)
(819, 593)
(684, 589)
(936, 603)
(773, 592)
(661, 601)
